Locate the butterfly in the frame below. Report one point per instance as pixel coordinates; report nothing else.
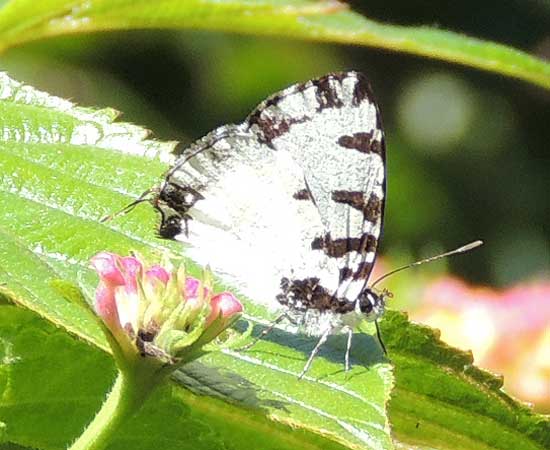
(287, 206)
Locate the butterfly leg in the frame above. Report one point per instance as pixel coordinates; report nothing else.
(264, 333)
(348, 348)
(314, 352)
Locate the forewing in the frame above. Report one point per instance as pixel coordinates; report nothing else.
(332, 129)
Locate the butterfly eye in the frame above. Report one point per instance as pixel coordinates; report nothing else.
(368, 300)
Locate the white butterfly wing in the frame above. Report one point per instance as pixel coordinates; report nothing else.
(332, 129)
(247, 227)
(285, 194)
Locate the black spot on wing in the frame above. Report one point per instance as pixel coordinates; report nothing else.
(302, 194)
(336, 248)
(361, 141)
(355, 199)
(326, 92)
(272, 126)
(273, 121)
(372, 209)
(345, 273)
(362, 91)
(308, 294)
(363, 270)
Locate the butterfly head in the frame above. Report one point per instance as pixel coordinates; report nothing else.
(170, 225)
(173, 203)
(371, 303)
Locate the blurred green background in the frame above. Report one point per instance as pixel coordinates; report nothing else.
(467, 150)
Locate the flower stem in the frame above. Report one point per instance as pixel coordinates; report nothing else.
(131, 389)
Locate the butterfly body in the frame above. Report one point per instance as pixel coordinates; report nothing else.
(287, 206)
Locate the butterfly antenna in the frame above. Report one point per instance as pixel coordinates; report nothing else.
(463, 249)
(142, 198)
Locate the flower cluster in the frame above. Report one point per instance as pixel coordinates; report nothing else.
(507, 330)
(159, 311)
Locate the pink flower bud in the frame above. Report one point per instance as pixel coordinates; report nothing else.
(110, 277)
(105, 264)
(114, 272)
(105, 305)
(163, 304)
(225, 305)
(192, 290)
(191, 287)
(159, 273)
(130, 269)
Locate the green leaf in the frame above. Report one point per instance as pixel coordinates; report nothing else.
(442, 400)
(323, 20)
(51, 385)
(65, 167)
(71, 293)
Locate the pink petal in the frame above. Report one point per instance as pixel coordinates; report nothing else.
(105, 305)
(159, 273)
(130, 264)
(131, 267)
(224, 304)
(192, 289)
(108, 268)
(115, 273)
